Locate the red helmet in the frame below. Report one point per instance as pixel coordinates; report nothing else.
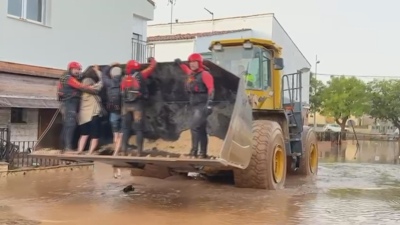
(74, 65)
(196, 57)
(132, 65)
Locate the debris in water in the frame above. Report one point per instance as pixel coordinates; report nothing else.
(193, 174)
(128, 188)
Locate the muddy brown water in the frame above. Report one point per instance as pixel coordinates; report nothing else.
(361, 192)
(369, 151)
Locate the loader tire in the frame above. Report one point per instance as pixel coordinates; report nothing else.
(309, 158)
(267, 168)
(156, 171)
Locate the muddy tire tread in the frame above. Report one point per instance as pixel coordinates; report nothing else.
(255, 175)
(309, 136)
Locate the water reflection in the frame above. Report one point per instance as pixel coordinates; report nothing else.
(343, 193)
(368, 152)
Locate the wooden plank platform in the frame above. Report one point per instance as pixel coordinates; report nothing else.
(131, 161)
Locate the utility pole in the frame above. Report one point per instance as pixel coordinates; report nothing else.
(212, 17)
(315, 77)
(172, 3)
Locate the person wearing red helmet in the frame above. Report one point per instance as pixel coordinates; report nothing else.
(200, 85)
(69, 94)
(134, 91)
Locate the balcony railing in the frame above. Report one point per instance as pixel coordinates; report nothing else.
(141, 50)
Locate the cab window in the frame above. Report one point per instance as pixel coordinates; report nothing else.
(266, 76)
(242, 62)
(252, 77)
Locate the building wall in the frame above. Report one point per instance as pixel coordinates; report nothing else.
(27, 86)
(170, 50)
(263, 26)
(25, 131)
(294, 59)
(140, 27)
(97, 32)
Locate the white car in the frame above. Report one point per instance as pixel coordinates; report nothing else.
(394, 135)
(332, 128)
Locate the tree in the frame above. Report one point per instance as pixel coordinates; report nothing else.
(385, 100)
(316, 89)
(344, 97)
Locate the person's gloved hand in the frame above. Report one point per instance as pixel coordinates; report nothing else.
(97, 86)
(208, 108)
(178, 61)
(150, 59)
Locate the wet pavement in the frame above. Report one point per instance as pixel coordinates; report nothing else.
(343, 193)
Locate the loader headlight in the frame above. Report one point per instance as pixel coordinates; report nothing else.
(217, 47)
(247, 45)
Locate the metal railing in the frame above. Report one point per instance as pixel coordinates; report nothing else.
(5, 145)
(16, 153)
(142, 50)
(292, 89)
(21, 157)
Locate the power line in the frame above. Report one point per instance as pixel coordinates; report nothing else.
(358, 76)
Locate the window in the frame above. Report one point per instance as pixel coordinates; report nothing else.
(18, 115)
(137, 37)
(242, 62)
(266, 69)
(139, 48)
(31, 10)
(252, 76)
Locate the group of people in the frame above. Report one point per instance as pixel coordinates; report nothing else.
(126, 92)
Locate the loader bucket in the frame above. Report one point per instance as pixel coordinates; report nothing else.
(168, 115)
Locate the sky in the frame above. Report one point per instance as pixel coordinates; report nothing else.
(350, 37)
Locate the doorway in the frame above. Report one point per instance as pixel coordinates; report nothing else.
(45, 117)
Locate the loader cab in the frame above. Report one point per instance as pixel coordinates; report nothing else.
(257, 60)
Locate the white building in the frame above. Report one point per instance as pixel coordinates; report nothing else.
(196, 36)
(38, 39)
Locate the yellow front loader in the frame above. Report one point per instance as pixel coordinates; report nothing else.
(256, 130)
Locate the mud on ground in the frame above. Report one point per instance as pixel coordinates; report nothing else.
(158, 148)
(8, 217)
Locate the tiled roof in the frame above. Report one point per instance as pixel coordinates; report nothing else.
(175, 37)
(224, 18)
(30, 70)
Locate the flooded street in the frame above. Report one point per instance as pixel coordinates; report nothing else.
(343, 193)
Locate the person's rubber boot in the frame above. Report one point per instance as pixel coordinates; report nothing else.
(203, 146)
(193, 153)
(203, 153)
(132, 146)
(68, 138)
(195, 145)
(124, 144)
(139, 142)
(124, 151)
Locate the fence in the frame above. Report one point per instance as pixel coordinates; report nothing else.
(327, 136)
(5, 145)
(141, 50)
(348, 146)
(21, 157)
(16, 153)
